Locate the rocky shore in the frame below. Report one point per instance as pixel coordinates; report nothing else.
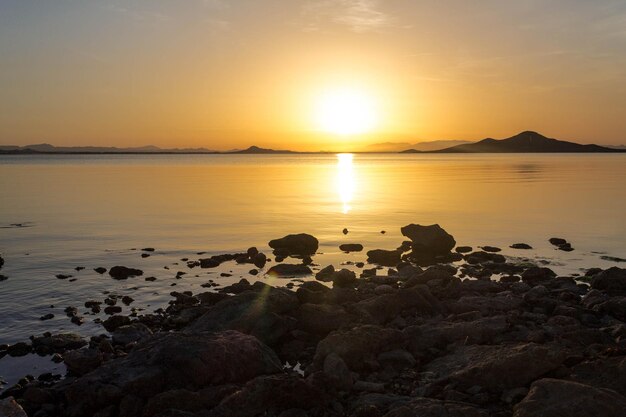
(433, 330)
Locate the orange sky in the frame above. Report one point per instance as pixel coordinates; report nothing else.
(228, 74)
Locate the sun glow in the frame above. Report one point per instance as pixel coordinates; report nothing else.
(345, 180)
(346, 112)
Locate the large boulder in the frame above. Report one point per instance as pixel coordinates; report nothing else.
(301, 244)
(557, 398)
(602, 373)
(384, 257)
(495, 368)
(428, 241)
(387, 307)
(10, 408)
(259, 313)
(612, 281)
(168, 361)
(321, 319)
(358, 347)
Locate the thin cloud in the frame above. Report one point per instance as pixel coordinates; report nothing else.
(358, 15)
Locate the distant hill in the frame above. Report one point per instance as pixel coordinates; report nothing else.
(257, 150)
(525, 142)
(621, 147)
(416, 147)
(47, 148)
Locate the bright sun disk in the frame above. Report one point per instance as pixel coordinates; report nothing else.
(346, 112)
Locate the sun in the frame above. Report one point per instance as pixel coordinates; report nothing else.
(346, 111)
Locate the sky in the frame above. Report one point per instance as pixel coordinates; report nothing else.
(229, 74)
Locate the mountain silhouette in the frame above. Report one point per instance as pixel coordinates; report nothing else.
(525, 142)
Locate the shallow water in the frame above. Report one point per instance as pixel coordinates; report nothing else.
(59, 212)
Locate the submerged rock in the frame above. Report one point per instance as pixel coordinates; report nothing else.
(123, 272)
(520, 246)
(298, 244)
(289, 270)
(351, 247)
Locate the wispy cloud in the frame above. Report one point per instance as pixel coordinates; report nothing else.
(358, 15)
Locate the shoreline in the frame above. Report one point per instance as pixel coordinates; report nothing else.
(434, 333)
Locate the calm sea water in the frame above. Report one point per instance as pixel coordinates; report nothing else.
(92, 211)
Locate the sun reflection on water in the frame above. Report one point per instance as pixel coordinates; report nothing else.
(345, 180)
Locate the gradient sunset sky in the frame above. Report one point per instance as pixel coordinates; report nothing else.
(228, 74)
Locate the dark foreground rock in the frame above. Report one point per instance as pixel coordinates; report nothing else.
(446, 340)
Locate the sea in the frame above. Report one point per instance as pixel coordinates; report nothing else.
(60, 213)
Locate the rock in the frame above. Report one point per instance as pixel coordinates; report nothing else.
(269, 395)
(300, 244)
(557, 398)
(100, 270)
(1, 261)
(496, 368)
(358, 347)
(428, 241)
(321, 319)
(46, 317)
(325, 274)
(58, 343)
(83, 361)
(289, 270)
(19, 349)
(148, 249)
(481, 257)
(384, 289)
(337, 372)
(384, 257)
(351, 247)
(386, 307)
(344, 278)
(397, 359)
(536, 274)
(607, 373)
(185, 400)
(122, 272)
(491, 249)
(612, 258)
(10, 408)
(63, 276)
(520, 246)
(345, 231)
(612, 281)
(169, 361)
(112, 310)
(463, 249)
(259, 260)
(259, 313)
(615, 306)
(115, 321)
(312, 292)
(123, 335)
(556, 241)
(429, 407)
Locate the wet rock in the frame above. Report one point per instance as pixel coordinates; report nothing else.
(612, 281)
(238, 287)
(358, 348)
(289, 270)
(482, 257)
(121, 272)
(520, 246)
(536, 274)
(607, 373)
(1, 261)
(63, 276)
(397, 359)
(169, 361)
(428, 407)
(123, 335)
(115, 321)
(345, 231)
(272, 394)
(556, 241)
(19, 349)
(556, 398)
(344, 278)
(337, 372)
(384, 257)
(428, 241)
(112, 310)
(100, 270)
(83, 361)
(321, 319)
(312, 292)
(351, 247)
(10, 408)
(298, 244)
(148, 249)
(386, 307)
(259, 260)
(3, 277)
(325, 274)
(491, 249)
(463, 249)
(58, 343)
(259, 313)
(46, 317)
